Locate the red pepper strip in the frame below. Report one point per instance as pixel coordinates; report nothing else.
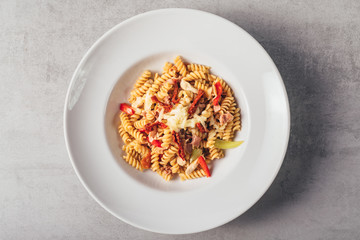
(201, 128)
(146, 161)
(218, 88)
(177, 139)
(149, 126)
(204, 166)
(167, 108)
(126, 109)
(162, 125)
(192, 107)
(175, 93)
(156, 143)
(142, 130)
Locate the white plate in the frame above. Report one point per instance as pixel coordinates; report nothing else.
(103, 80)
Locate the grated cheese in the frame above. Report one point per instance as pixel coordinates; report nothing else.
(177, 118)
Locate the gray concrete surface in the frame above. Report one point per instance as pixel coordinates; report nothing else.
(315, 45)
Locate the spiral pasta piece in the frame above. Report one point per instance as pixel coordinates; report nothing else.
(167, 67)
(145, 76)
(227, 135)
(138, 135)
(216, 153)
(175, 167)
(140, 123)
(133, 159)
(226, 103)
(131, 130)
(155, 163)
(164, 91)
(180, 66)
(158, 82)
(143, 150)
(139, 92)
(201, 84)
(237, 121)
(211, 138)
(166, 76)
(167, 139)
(220, 131)
(151, 116)
(126, 137)
(125, 121)
(165, 174)
(198, 68)
(135, 117)
(232, 108)
(212, 78)
(168, 155)
(195, 75)
(198, 173)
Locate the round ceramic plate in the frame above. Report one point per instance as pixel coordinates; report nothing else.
(104, 78)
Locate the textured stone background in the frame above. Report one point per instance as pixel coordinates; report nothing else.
(315, 45)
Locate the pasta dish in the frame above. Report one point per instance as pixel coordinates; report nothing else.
(179, 121)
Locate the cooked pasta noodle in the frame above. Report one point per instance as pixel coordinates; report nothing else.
(198, 67)
(140, 123)
(143, 79)
(167, 67)
(133, 158)
(195, 75)
(180, 66)
(126, 137)
(195, 174)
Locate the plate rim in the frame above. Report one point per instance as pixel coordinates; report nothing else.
(102, 38)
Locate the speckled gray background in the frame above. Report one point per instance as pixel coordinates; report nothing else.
(315, 45)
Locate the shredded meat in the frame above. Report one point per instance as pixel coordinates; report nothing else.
(196, 140)
(225, 118)
(201, 106)
(216, 108)
(188, 148)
